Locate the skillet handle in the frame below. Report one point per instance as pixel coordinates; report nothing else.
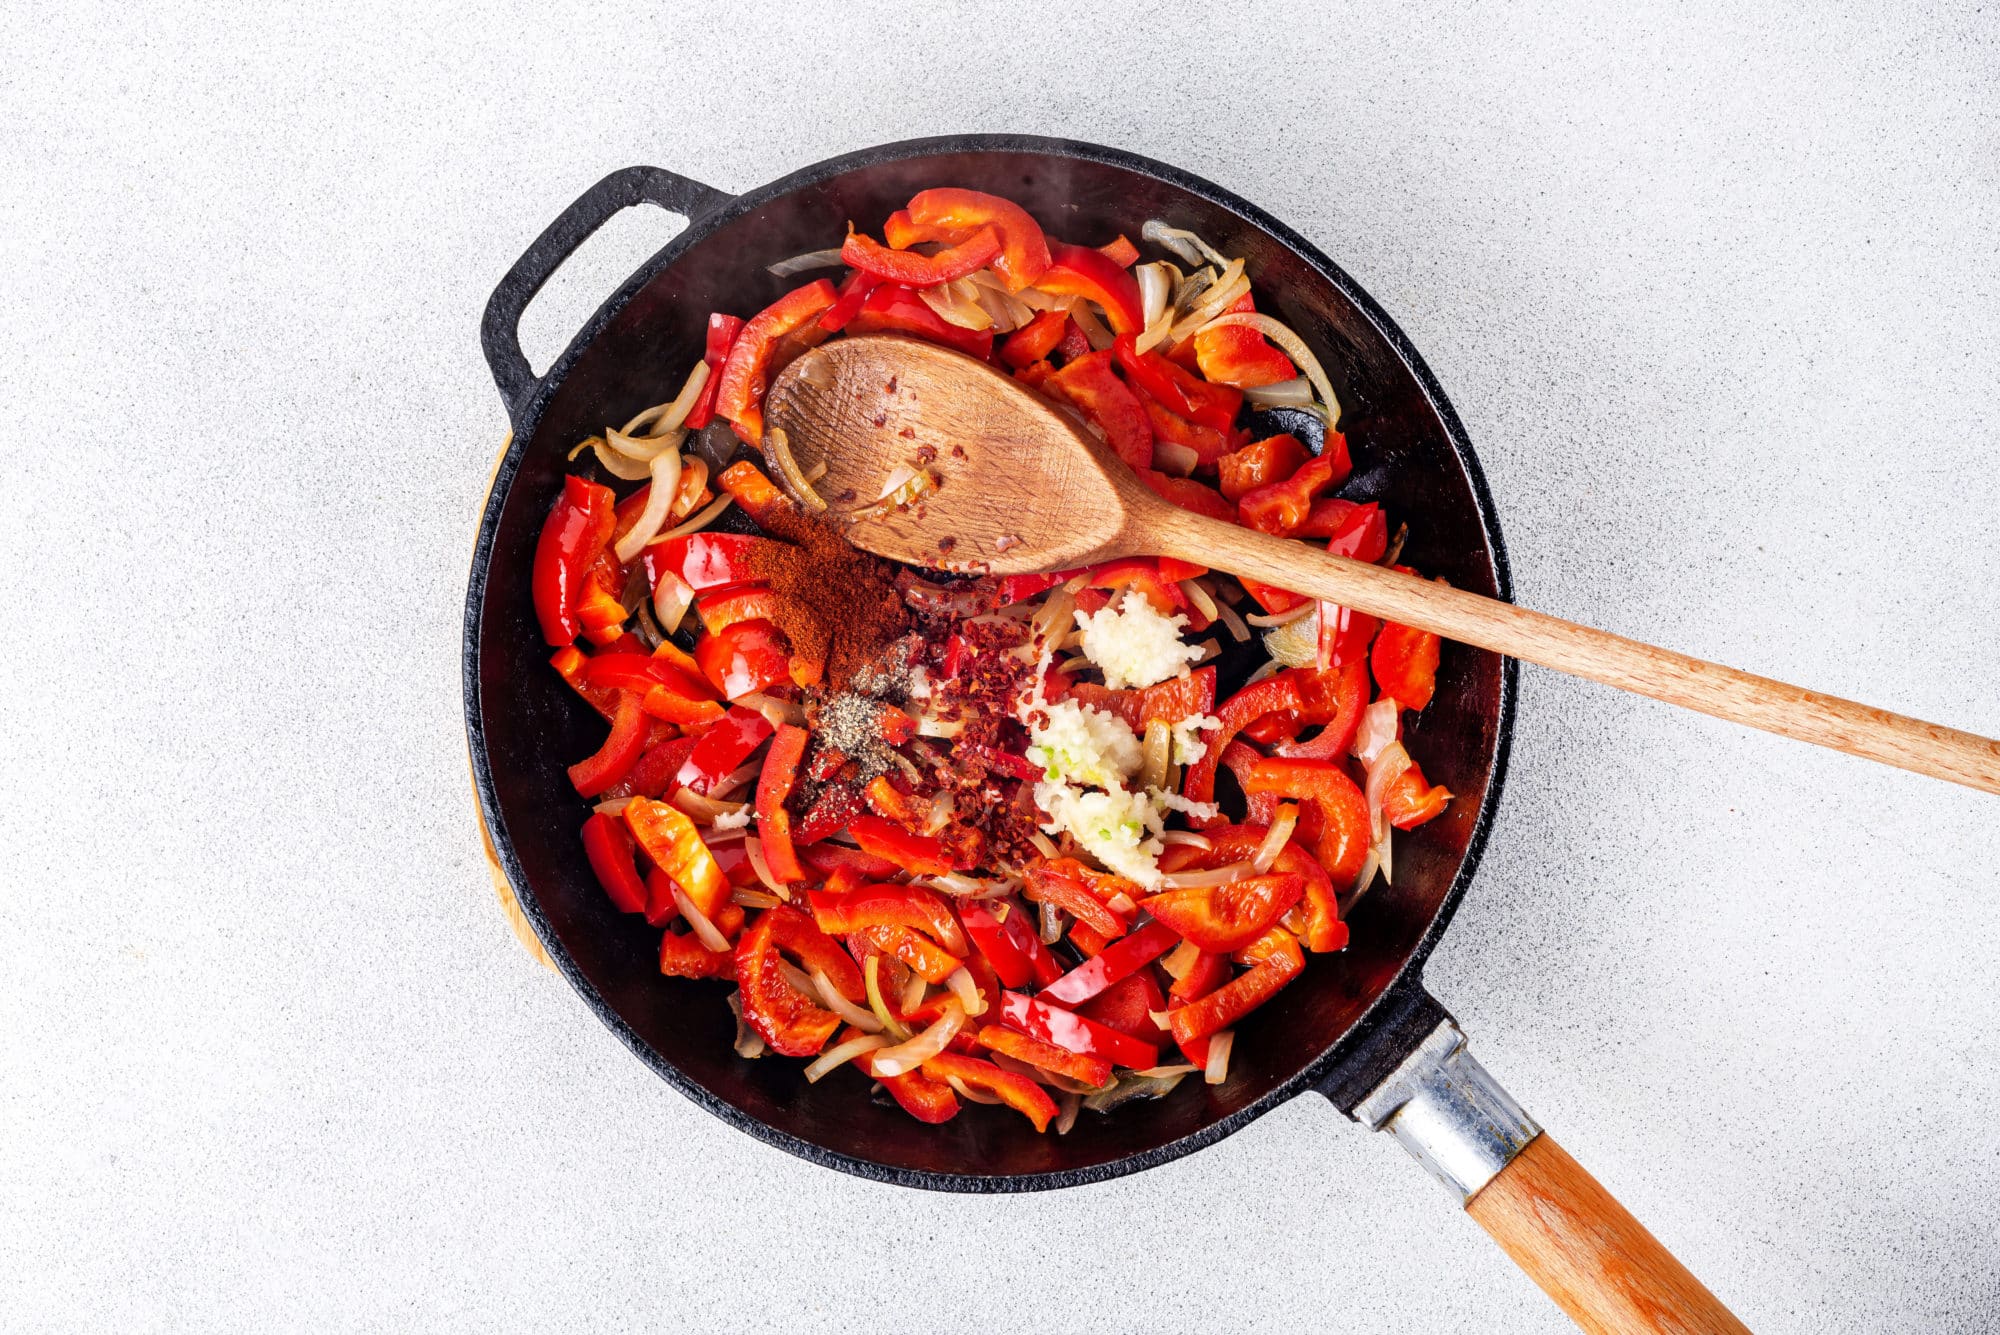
(500, 329)
(1562, 1228)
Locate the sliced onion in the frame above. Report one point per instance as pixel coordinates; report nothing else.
(754, 899)
(914, 486)
(1294, 347)
(1189, 837)
(1007, 311)
(735, 779)
(753, 848)
(778, 449)
(1044, 845)
(774, 710)
(710, 935)
(967, 992)
(1093, 328)
(1231, 622)
(1270, 666)
(1180, 241)
(1180, 959)
(659, 504)
(1050, 923)
(1395, 548)
(1295, 643)
(668, 417)
(1036, 299)
(612, 806)
(1281, 618)
(1296, 393)
(871, 973)
(1197, 594)
(1053, 617)
(644, 449)
(971, 1095)
(1068, 1104)
(701, 807)
(1155, 333)
(1053, 1079)
(1275, 839)
(943, 808)
(1362, 880)
(749, 1043)
(956, 304)
(830, 997)
(806, 263)
(913, 992)
(1166, 1072)
(1219, 1044)
(671, 600)
(1187, 880)
(847, 1052)
(1384, 770)
(694, 477)
(1230, 285)
(619, 466)
(930, 725)
(1155, 285)
(914, 1052)
(1154, 753)
(1174, 460)
(1377, 729)
(700, 520)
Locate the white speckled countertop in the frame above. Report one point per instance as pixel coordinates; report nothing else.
(1717, 294)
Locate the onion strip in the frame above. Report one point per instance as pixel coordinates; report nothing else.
(1065, 1119)
(914, 1052)
(1219, 1045)
(1281, 618)
(753, 848)
(806, 263)
(1189, 837)
(709, 934)
(1093, 328)
(700, 520)
(847, 1052)
(666, 474)
(1188, 880)
(1296, 393)
(1180, 959)
(872, 976)
(967, 992)
(830, 997)
(1232, 622)
(778, 449)
(749, 1043)
(1181, 242)
(672, 597)
(1154, 753)
(1275, 839)
(1174, 460)
(1226, 289)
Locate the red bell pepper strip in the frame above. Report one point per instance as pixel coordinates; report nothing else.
(722, 748)
(667, 704)
(1172, 701)
(570, 663)
(1052, 1024)
(1034, 340)
(914, 949)
(794, 1025)
(914, 269)
(1228, 917)
(1088, 940)
(922, 1096)
(608, 845)
(1240, 757)
(1335, 699)
(1276, 692)
(721, 336)
(723, 608)
(1118, 960)
(1189, 495)
(1258, 464)
(1175, 388)
(1075, 343)
(753, 491)
(1339, 809)
(1059, 884)
(1410, 800)
(774, 786)
(1019, 924)
(706, 561)
(889, 802)
(1016, 1091)
(655, 773)
(901, 233)
(739, 399)
(1208, 444)
(1236, 999)
(897, 310)
(1344, 635)
(1091, 274)
(887, 905)
(829, 858)
(1127, 1006)
(640, 672)
(673, 844)
(1010, 963)
(682, 955)
(1121, 252)
(1092, 1071)
(1351, 528)
(918, 854)
(1405, 661)
(733, 857)
(1157, 577)
(1238, 355)
(746, 657)
(621, 750)
(848, 303)
(1207, 973)
(577, 528)
(1024, 250)
(1281, 507)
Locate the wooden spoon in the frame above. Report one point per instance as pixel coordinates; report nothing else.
(1011, 483)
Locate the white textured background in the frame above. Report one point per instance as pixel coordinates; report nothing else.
(1716, 292)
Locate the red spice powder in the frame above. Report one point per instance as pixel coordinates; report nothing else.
(836, 604)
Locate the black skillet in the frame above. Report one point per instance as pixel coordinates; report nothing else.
(1353, 1021)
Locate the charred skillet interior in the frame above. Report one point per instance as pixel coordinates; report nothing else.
(1340, 1026)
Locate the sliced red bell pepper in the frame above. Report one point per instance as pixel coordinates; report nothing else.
(1405, 661)
(667, 704)
(1351, 528)
(1024, 250)
(655, 774)
(571, 663)
(1334, 699)
(744, 658)
(1009, 962)
(1176, 389)
(1410, 800)
(674, 845)
(1344, 635)
(1016, 1091)
(1207, 973)
(578, 526)
(925, 957)
(793, 1024)
(1259, 464)
(1280, 507)
(640, 672)
(1228, 917)
(1066, 1029)
(922, 1096)
(1088, 940)
(1019, 925)
(706, 561)
(891, 803)
(621, 750)
(888, 905)
(722, 748)
(1095, 389)
(739, 399)
(1324, 931)
(1127, 1006)
(1121, 252)
(721, 336)
(608, 845)
(918, 854)
(682, 955)
(1339, 808)
(1189, 495)
(902, 233)
(894, 309)
(1034, 340)
(828, 858)
(1059, 883)
(723, 608)
(1208, 444)
(1240, 757)
(1157, 577)
(1082, 272)
(1238, 355)
(1235, 999)
(847, 304)
(914, 269)
(1093, 1071)
(1172, 701)
(1276, 692)
(774, 786)
(753, 491)
(1120, 959)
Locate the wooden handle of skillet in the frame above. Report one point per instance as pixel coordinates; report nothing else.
(1575, 1240)
(1741, 697)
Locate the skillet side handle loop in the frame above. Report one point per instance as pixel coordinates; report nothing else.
(1564, 1230)
(500, 329)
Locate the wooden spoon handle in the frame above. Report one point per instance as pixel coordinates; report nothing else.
(1741, 697)
(1576, 1241)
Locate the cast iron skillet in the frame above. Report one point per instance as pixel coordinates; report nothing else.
(1343, 1026)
